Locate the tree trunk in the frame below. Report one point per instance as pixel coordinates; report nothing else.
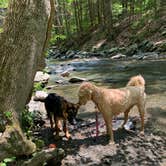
(108, 15)
(124, 7)
(25, 37)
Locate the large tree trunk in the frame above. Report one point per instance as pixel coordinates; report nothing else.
(22, 44)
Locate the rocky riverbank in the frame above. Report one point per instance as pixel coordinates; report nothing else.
(85, 148)
(144, 50)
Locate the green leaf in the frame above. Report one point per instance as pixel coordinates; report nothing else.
(3, 164)
(7, 160)
(8, 114)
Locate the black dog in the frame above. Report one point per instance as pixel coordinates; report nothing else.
(59, 108)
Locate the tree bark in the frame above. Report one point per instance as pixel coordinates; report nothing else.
(108, 15)
(25, 37)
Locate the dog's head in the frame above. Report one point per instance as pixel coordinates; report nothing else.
(72, 110)
(136, 81)
(85, 93)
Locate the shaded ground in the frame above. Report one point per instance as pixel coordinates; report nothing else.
(130, 149)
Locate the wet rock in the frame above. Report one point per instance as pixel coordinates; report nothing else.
(77, 56)
(50, 86)
(65, 74)
(60, 81)
(76, 79)
(132, 49)
(41, 77)
(147, 55)
(70, 54)
(150, 55)
(119, 56)
(138, 56)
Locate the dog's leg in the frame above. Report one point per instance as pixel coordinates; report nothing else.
(56, 120)
(108, 122)
(141, 109)
(51, 121)
(126, 115)
(67, 135)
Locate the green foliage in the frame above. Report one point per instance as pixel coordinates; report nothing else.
(116, 9)
(75, 18)
(4, 3)
(38, 86)
(1, 30)
(8, 115)
(7, 160)
(55, 38)
(27, 121)
(39, 143)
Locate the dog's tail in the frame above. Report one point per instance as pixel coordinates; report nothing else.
(40, 96)
(136, 81)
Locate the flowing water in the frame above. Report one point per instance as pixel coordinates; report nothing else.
(83, 149)
(111, 74)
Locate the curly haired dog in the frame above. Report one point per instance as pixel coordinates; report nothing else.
(112, 102)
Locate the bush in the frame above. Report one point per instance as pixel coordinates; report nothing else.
(27, 121)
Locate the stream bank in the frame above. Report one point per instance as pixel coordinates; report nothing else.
(130, 148)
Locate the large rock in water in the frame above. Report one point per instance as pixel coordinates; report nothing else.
(76, 79)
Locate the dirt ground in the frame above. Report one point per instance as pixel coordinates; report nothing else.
(130, 149)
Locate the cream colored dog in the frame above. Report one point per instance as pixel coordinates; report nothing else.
(112, 102)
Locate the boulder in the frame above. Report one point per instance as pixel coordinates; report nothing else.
(150, 55)
(65, 74)
(147, 55)
(118, 56)
(41, 77)
(132, 49)
(76, 79)
(40, 95)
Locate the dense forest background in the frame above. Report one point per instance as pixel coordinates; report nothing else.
(115, 22)
(89, 24)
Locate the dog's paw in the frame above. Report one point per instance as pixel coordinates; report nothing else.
(68, 136)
